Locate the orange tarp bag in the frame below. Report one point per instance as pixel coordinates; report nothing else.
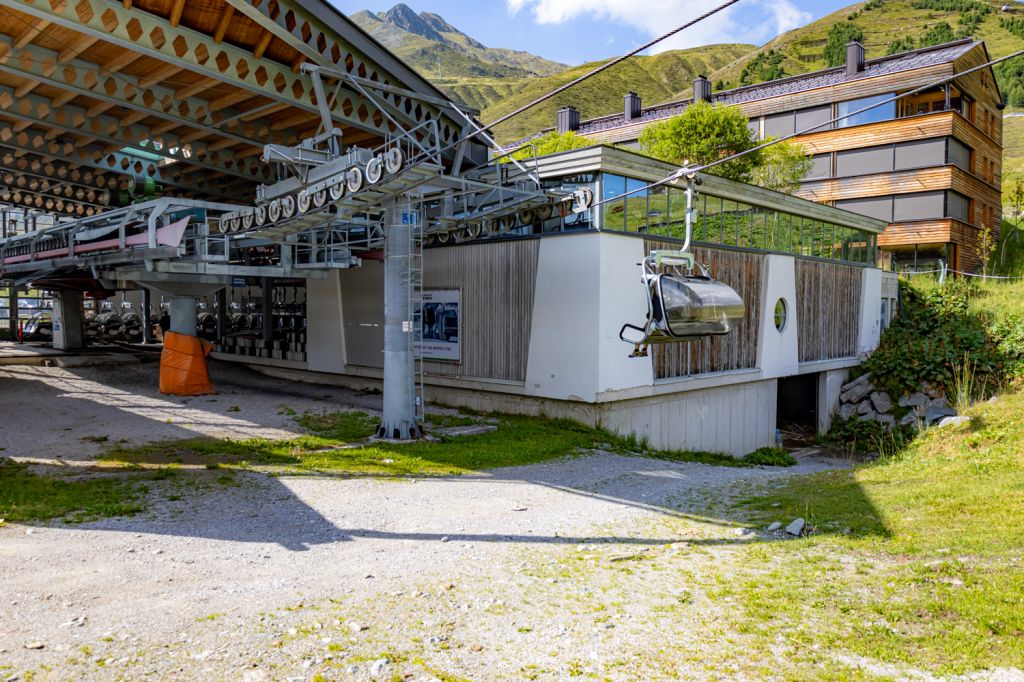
(183, 365)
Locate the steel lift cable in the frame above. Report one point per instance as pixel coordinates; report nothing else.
(603, 67)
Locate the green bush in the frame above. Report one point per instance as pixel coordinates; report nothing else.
(866, 435)
(770, 457)
(1009, 337)
(933, 334)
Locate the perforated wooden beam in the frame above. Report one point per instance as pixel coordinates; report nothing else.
(148, 34)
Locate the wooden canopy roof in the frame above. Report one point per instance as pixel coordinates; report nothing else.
(101, 96)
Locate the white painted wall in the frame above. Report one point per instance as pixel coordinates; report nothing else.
(325, 330)
(733, 419)
(829, 385)
(564, 340)
(777, 352)
(622, 299)
(870, 311)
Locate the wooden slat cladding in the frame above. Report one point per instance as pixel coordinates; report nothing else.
(926, 126)
(919, 232)
(901, 182)
(828, 297)
(498, 282)
(736, 350)
(982, 87)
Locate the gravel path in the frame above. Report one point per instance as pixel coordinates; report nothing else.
(532, 572)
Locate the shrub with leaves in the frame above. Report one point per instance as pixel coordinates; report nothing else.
(933, 334)
(1009, 337)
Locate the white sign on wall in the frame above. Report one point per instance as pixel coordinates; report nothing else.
(441, 325)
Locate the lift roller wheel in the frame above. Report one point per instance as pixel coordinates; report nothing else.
(473, 230)
(394, 159)
(302, 202)
(223, 226)
(374, 170)
(274, 210)
(247, 220)
(261, 215)
(506, 223)
(287, 206)
(320, 198)
(354, 181)
(443, 237)
(337, 191)
(526, 216)
(545, 212)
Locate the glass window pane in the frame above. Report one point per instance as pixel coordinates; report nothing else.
(677, 215)
(613, 212)
(636, 206)
(884, 112)
(713, 220)
(658, 211)
(728, 222)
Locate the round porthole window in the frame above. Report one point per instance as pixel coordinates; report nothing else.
(781, 313)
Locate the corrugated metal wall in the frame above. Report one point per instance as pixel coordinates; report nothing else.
(828, 299)
(497, 281)
(736, 350)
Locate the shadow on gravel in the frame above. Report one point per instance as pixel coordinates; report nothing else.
(250, 507)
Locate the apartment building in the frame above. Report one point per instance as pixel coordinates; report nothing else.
(928, 164)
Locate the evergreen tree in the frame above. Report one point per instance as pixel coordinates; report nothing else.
(839, 36)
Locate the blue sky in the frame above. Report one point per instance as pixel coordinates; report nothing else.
(575, 31)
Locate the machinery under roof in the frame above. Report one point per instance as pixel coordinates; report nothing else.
(103, 103)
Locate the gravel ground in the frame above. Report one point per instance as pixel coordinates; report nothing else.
(549, 571)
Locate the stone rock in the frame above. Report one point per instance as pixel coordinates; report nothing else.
(35, 645)
(358, 627)
(913, 400)
(857, 393)
(379, 667)
(796, 528)
(866, 407)
(846, 411)
(859, 381)
(938, 402)
(909, 419)
(881, 401)
(954, 421)
(934, 414)
(774, 527)
(867, 417)
(886, 420)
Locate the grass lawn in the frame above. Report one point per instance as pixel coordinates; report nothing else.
(916, 561)
(337, 445)
(28, 496)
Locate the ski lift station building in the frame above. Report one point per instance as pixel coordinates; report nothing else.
(518, 296)
(543, 305)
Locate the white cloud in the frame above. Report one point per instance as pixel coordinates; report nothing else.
(763, 20)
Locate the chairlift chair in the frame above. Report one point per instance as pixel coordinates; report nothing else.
(681, 305)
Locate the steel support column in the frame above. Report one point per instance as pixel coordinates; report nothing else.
(147, 318)
(183, 315)
(399, 421)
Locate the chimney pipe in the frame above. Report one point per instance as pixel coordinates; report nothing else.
(854, 58)
(568, 120)
(702, 89)
(633, 106)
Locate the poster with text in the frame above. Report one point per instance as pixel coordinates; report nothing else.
(441, 324)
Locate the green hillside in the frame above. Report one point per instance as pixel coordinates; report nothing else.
(883, 22)
(656, 79)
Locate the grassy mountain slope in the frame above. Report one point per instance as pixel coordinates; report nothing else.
(882, 22)
(655, 79)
